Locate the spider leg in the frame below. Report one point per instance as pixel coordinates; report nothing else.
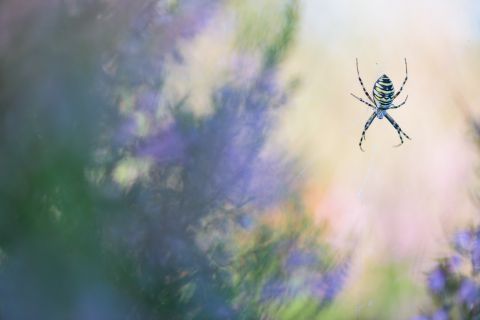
(361, 100)
(397, 127)
(401, 104)
(404, 81)
(367, 124)
(361, 82)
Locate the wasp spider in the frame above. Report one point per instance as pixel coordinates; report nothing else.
(383, 96)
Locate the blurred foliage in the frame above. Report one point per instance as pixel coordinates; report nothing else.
(282, 270)
(108, 191)
(260, 27)
(454, 283)
(386, 294)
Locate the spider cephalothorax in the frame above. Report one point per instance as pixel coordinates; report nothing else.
(383, 96)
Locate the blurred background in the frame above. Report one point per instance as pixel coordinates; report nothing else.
(185, 159)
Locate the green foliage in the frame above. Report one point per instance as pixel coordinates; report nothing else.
(268, 28)
(282, 270)
(283, 39)
(386, 292)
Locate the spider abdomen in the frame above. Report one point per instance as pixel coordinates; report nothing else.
(383, 91)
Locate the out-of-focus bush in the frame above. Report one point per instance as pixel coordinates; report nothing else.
(454, 283)
(284, 271)
(111, 197)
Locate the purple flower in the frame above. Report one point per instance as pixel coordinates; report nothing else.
(297, 259)
(421, 317)
(463, 241)
(329, 285)
(475, 256)
(454, 263)
(335, 281)
(437, 280)
(274, 289)
(441, 314)
(166, 146)
(147, 101)
(235, 140)
(468, 292)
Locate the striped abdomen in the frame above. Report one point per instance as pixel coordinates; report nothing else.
(383, 91)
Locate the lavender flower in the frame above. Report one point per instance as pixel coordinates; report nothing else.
(441, 314)
(298, 259)
(167, 146)
(437, 280)
(455, 288)
(463, 241)
(475, 257)
(274, 290)
(335, 280)
(454, 263)
(421, 317)
(468, 292)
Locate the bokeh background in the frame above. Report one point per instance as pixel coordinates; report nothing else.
(184, 159)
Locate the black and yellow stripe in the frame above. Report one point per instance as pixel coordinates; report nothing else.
(383, 91)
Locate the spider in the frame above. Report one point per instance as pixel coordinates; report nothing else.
(383, 96)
